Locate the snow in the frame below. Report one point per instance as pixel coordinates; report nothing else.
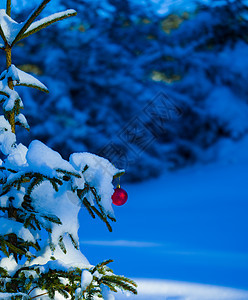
(7, 138)
(73, 257)
(22, 120)
(29, 80)
(19, 78)
(149, 289)
(11, 226)
(11, 101)
(107, 295)
(193, 230)
(9, 26)
(45, 160)
(9, 296)
(86, 279)
(11, 95)
(9, 264)
(17, 157)
(16, 202)
(48, 201)
(13, 73)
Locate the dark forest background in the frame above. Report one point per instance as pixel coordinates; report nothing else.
(148, 91)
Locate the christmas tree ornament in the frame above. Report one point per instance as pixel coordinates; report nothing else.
(120, 196)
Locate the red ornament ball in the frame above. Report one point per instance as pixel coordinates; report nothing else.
(119, 197)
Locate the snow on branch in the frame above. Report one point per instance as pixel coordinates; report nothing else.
(11, 31)
(7, 138)
(26, 79)
(11, 226)
(10, 103)
(43, 23)
(9, 28)
(21, 120)
(9, 296)
(44, 160)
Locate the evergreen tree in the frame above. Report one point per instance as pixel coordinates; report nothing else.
(41, 195)
(204, 68)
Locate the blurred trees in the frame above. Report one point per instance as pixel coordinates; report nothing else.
(127, 62)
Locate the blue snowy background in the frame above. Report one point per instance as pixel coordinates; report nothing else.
(159, 88)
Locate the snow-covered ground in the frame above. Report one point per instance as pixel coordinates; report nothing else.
(173, 290)
(189, 225)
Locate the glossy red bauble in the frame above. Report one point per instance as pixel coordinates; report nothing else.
(119, 197)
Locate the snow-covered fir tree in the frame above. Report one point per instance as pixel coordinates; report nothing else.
(41, 195)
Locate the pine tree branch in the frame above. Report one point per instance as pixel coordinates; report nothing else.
(68, 173)
(36, 181)
(88, 207)
(35, 287)
(52, 218)
(39, 295)
(46, 24)
(82, 192)
(102, 217)
(30, 20)
(128, 280)
(8, 7)
(4, 248)
(38, 225)
(33, 86)
(101, 264)
(101, 214)
(111, 286)
(54, 184)
(15, 249)
(120, 284)
(22, 269)
(119, 174)
(112, 218)
(3, 93)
